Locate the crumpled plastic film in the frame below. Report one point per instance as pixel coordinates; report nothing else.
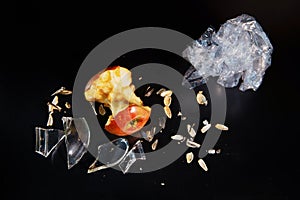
(239, 50)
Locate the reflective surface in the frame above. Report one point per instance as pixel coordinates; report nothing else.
(259, 156)
(47, 140)
(136, 153)
(110, 154)
(77, 139)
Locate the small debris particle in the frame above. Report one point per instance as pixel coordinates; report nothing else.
(167, 100)
(160, 91)
(102, 110)
(221, 127)
(52, 107)
(211, 151)
(192, 144)
(67, 105)
(166, 93)
(50, 119)
(154, 144)
(205, 122)
(149, 136)
(177, 137)
(62, 91)
(149, 92)
(168, 112)
(202, 164)
(189, 157)
(205, 128)
(183, 140)
(55, 100)
(191, 131)
(188, 126)
(201, 99)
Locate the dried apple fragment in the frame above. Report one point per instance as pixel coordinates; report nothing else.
(113, 88)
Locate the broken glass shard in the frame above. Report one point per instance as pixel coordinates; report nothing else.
(77, 139)
(148, 134)
(136, 153)
(239, 50)
(47, 140)
(110, 154)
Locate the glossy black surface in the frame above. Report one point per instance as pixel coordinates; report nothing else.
(46, 45)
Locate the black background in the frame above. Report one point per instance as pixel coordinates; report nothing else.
(45, 45)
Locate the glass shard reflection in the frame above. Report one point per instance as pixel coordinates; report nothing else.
(47, 140)
(136, 153)
(77, 139)
(110, 154)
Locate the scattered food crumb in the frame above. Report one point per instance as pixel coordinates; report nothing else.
(211, 151)
(149, 92)
(202, 164)
(55, 100)
(191, 130)
(50, 119)
(166, 93)
(62, 91)
(102, 110)
(154, 144)
(189, 157)
(201, 99)
(221, 127)
(167, 100)
(192, 144)
(205, 128)
(168, 112)
(160, 91)
(177, 137)
(205, 122)
(67, 105)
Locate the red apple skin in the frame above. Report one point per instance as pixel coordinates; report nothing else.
(128, 121)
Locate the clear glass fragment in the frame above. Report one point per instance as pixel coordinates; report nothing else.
(240, 49)
(110, 154)
(148, 134)
(136, 153)
(47, 140)
(77, 139)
